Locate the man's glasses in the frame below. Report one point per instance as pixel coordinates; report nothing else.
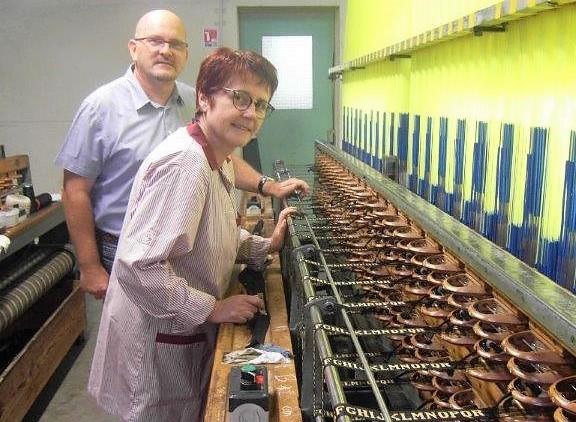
(242, 101)
(157, 43)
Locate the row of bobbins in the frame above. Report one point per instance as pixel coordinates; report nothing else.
(508, 361)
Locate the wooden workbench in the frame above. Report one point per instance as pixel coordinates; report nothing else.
(283, 385)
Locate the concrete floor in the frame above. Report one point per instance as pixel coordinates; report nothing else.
(65, 398)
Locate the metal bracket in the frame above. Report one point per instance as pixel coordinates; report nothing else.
(326, 304)
(306, 250)
(479, 30)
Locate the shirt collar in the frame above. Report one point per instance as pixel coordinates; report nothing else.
(139, 96)
(195, 131)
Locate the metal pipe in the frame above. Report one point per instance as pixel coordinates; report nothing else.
(350, 328)
(332, 378)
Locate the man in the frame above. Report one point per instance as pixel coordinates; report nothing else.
(116, 127)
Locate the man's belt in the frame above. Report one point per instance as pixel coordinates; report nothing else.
(106, 237)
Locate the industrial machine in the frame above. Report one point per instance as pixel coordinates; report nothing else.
(42, 311)
(398, 312)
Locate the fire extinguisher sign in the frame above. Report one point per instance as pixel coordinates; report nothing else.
(210, 37)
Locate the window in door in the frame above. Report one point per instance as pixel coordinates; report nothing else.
(292, 57)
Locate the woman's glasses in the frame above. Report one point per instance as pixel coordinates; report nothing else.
(242, 100)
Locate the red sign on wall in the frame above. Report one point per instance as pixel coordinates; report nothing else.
(210, 37)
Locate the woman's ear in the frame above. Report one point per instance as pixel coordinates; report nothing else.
(203, 102)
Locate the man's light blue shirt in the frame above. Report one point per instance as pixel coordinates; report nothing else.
(115, 129)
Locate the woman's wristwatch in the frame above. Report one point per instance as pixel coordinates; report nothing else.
(261, 184)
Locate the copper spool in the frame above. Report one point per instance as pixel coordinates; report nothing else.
(391, 296)
(417, 287)
(407, 344)
(438, 293)
(384, 211)
(441, 399)
(402, 244)
(379, 271)
(457, 375)
(563, 415)
(384, 315)
(461, 301)
(358, 243)
(463, 399)
(437, 277)
(407, 232)
(442, 263)
(411, 318)
(491, 350)
(426, 355)
(366, 256)
(462, 318)
(382, 291)
(392, 221)
(420, 272)
(530, 394)
(401, 270)
(424, 246)
(462, 336)
(465, 283)
(407, 356)
(379, 243)
(514, 411)
(491, 310)
(449, 386)
(437, 309)
(389, 255)
(422, 382)
(488, 371)
(426, 341)
(563, 393)
(538, 373)
(405, 257)
(496, 332)
(527, 346)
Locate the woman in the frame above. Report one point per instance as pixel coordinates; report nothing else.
(177, 250)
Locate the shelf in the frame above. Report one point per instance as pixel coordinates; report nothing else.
(489, 19)
(34, 226)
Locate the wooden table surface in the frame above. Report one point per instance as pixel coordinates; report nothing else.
(283, 386)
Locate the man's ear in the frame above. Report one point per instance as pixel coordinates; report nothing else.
(132, 49)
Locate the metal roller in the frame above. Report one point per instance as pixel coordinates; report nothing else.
(14, 302)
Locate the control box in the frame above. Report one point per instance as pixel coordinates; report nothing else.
(248, 396)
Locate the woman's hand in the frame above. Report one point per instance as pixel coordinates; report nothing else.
(237, 309)
(286, 188)
(277, 238)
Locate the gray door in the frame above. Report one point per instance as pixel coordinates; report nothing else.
(289, 134)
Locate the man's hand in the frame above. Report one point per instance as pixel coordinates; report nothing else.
(237, 309)
(94, 280)
(286, 187)
(277, 238)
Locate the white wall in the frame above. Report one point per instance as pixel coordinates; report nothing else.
(55, 52)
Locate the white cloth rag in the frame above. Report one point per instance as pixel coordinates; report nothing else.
(254, 356)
